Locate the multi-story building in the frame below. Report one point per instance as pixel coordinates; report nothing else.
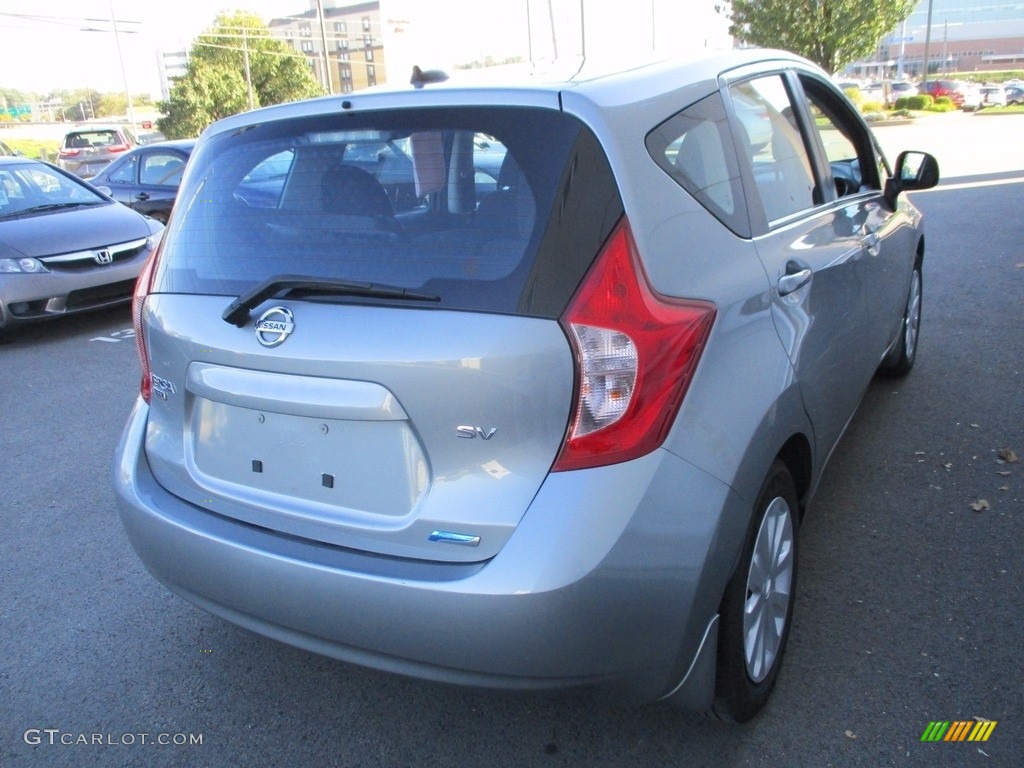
(170, 65)
(966, 36)
(354, 56)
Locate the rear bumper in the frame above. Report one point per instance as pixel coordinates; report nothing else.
(612, 578)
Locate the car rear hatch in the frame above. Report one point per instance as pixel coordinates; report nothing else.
(352, 328)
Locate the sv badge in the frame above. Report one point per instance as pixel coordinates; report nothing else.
(470, 432)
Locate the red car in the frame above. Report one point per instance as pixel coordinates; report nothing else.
(951, 88)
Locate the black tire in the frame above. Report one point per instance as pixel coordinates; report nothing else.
(748, 660)
(901, 360)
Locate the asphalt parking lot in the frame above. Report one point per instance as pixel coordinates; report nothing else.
(908, 607)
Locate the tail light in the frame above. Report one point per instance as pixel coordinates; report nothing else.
(69, 152)
(118, 148)
(142, 288)
(636, 352)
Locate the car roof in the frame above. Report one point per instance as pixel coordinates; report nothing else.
(97, 127)
(605, 83)
(182, 144)
(18, 160)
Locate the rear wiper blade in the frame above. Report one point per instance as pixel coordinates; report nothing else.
(238, 311)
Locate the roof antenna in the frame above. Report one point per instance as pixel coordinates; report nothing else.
(420, 78)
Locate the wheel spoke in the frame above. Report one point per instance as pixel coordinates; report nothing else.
(769, 582)
(913, 318)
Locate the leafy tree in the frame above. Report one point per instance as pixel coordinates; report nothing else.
(214, 84)
(831, 33)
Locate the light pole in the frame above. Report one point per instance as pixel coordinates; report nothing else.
(124, 75)
(120, 56)
(927, 45)
(328, 79)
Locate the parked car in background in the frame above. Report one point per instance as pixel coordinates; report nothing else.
(993, 96)
(147, 177)
(952, 89)
(552, 429)
(978, 96)
(87, 150)
(1014, 94)
(64, 247)
(973, 100)
(902, 88)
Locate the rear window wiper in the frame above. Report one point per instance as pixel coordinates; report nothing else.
(238, 311)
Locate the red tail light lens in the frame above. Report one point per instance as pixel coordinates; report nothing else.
(142, 288)
(118, 148)
(69, 152)
(636, 352)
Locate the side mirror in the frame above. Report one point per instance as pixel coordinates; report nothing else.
(914, 170)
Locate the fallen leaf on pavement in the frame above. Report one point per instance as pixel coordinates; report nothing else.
(1008, 456)
(980, 505)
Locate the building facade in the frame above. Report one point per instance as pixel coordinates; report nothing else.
(353, 57)
(966, 36)
(170, 66)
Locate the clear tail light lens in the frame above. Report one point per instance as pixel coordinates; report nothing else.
(636, 352)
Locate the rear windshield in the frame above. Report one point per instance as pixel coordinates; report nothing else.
(498, 210)
(86, 139)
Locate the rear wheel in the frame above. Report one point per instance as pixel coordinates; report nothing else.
(757, 607)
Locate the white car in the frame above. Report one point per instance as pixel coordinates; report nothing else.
(993, 96)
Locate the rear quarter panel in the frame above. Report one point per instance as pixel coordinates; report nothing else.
(743, 403)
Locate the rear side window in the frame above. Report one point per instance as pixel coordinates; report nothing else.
(498, 210)
(695, 148)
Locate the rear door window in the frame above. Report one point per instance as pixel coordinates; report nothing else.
(457, 203)
(161, 169)
(774, 145)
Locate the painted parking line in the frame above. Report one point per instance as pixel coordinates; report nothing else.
(126, 334)
(972, 185)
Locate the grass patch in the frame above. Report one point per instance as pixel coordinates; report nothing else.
(34, 148)
(1015, 109)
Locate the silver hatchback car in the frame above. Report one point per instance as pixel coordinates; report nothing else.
(551, 429)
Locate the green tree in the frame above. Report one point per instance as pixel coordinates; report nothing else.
(214, 84)
(831, 33)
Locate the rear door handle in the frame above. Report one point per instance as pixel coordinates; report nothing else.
(142, 196)
(798, 274)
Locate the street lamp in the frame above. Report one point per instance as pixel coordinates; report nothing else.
(124, 75)
(120, 57)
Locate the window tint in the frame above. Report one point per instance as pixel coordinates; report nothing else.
(454, 202)
(696, 149)
(98, 138)
(779, 159)
(163, 169)
(126, 173)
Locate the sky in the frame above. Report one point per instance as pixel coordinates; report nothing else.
(56, 50)
(69, 44)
